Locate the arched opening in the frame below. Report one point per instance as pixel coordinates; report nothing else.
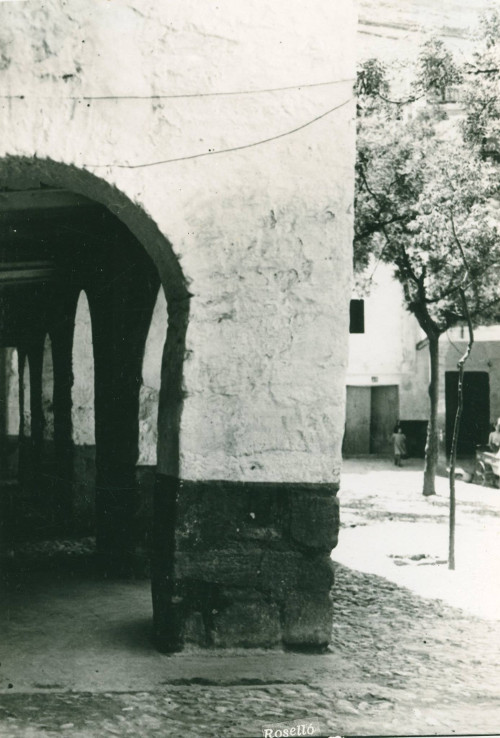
(12, 415)
(149, 398)
(26, 400)
(83, 417)
(10, 429)
(9, 410)
(151, 383)
(82, 390)
(81, 269)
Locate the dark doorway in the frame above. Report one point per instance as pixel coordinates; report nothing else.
(384, 416)
(357, 421)
(371, 414)
(416, 437)
(474, 427)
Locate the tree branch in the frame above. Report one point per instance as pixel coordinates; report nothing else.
(372, 194)
(376, 227)
(419, 281)
(459, 244)
(492, 70)
(411, 99)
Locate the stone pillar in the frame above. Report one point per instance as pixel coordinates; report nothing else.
(121, 302)
(31, 427)
(168, 609)
(24, 412)
(251, 564)
(35, 356)
(62, 340)
(116, 424)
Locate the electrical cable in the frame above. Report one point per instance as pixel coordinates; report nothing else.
(228, 150)
(98, 98)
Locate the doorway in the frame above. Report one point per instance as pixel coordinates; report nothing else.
(371, 414)
(384, 416)
(474, 427)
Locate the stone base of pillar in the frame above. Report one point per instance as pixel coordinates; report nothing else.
(243, 565)
(115, 512)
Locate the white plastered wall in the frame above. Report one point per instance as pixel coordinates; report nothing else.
(262, 234)
(386, 353)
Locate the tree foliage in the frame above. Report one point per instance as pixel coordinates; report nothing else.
(418, 199)
(481, 124)
(427, 195)
(372, 79)
(437, 70)
(427, 198)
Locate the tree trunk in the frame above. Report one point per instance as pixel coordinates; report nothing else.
(456, 430)
(432, 445)
(453, 461)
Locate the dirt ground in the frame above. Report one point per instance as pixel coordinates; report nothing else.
(414, 649)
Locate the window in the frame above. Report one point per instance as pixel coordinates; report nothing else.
(357, 316)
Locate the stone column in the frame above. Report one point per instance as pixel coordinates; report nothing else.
(62, 327)
(121, 306)
(35, 356)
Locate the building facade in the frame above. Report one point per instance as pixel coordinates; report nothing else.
(481, 387)
(176, 185)
(389, 371)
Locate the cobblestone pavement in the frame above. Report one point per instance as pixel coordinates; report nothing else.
(399, 663)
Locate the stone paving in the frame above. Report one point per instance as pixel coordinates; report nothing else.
(399, 663)
(405, 665)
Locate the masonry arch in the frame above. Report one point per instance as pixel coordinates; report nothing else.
(82, 388)
(25, 395)
(151, 382)
(72, 239)
(12, 416)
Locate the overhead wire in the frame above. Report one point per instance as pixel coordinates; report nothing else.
(214, 152)
(178, 96)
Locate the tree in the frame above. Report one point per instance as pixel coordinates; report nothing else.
(372, 79)
(425, 204)
(437, 70)
(481, 124)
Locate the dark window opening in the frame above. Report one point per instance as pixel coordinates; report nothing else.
(357, 316)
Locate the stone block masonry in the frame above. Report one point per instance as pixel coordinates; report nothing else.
(250, 564)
